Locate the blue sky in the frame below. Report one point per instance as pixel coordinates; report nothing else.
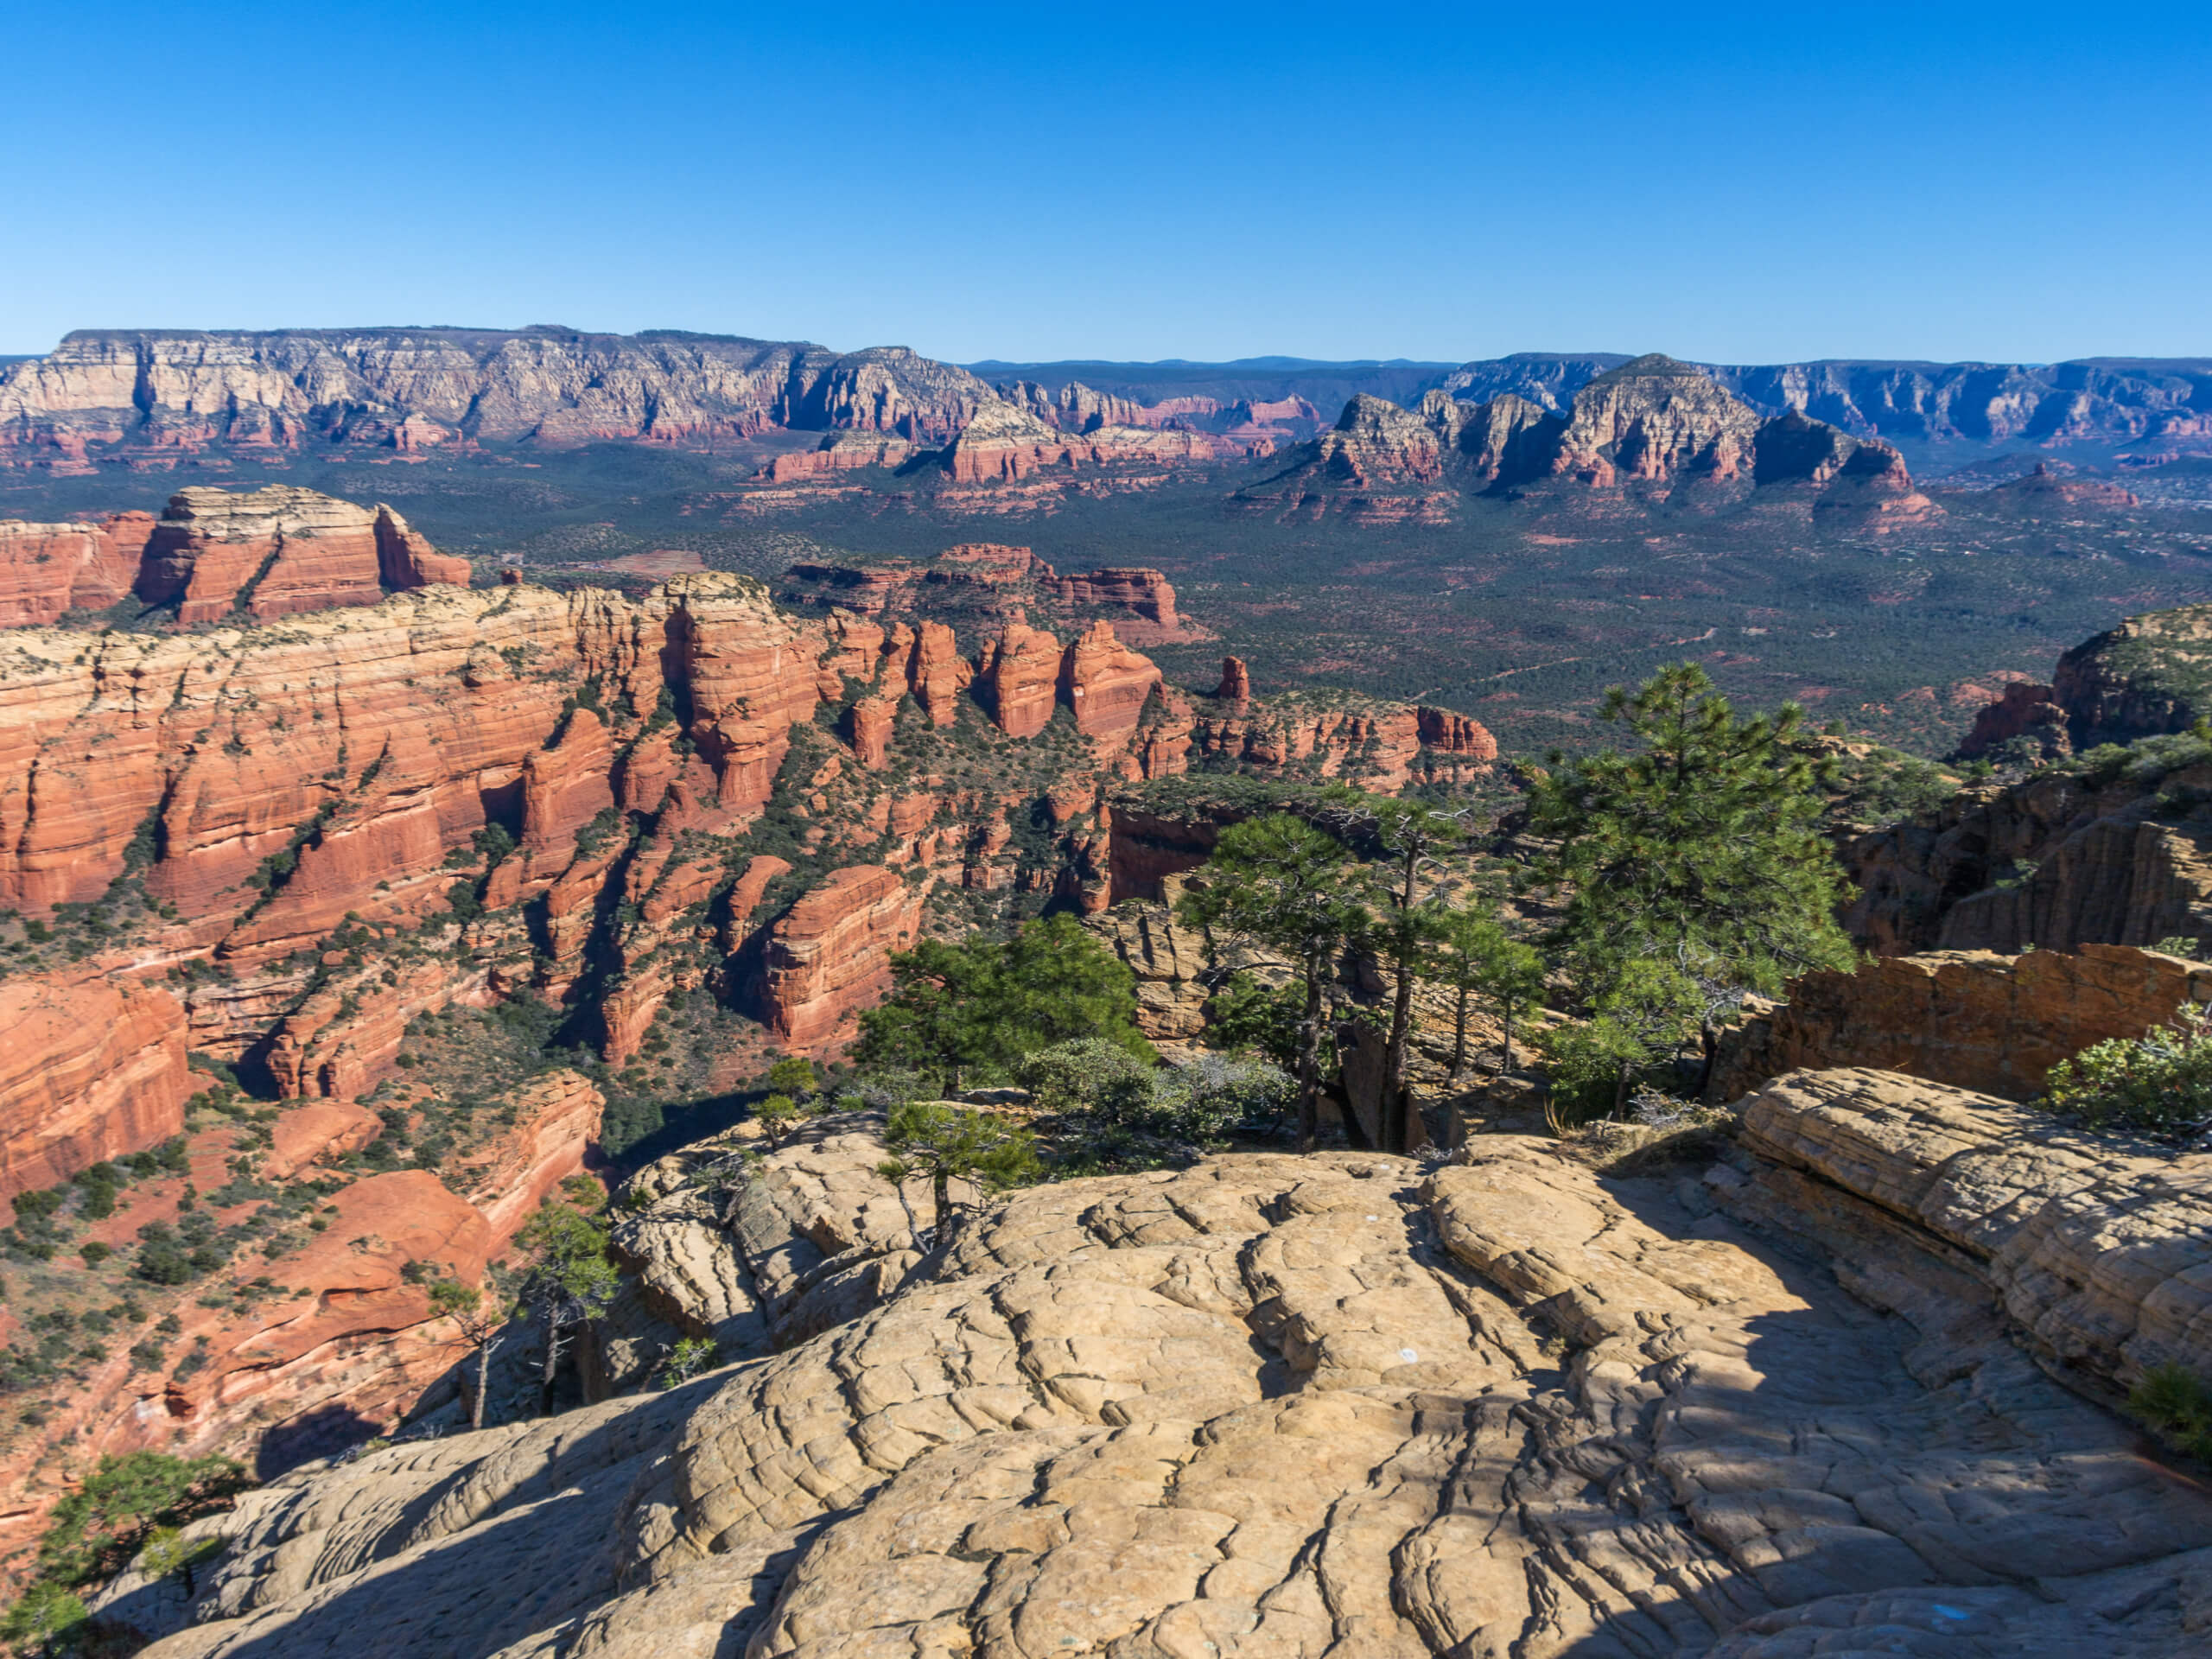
(1732, 182)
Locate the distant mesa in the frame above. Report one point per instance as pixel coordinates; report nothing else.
(213, 553)
(1008, 582)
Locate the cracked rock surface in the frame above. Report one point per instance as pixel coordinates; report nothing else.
(1338, 1405)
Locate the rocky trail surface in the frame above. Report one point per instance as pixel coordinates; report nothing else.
(1333, 1405)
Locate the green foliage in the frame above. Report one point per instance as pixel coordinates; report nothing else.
(795, 1075)
(965, 1013)
(169, 1554)
(1245, 1017)
(45, 1619)
(94, 1530)
(570, 1269)
(1280, 883)
(687, 1359)
(2159, 1083)
(777, 1114)
(1696, 847)
(1473, 956)
(1083, 1076)
(2177, 1403)
(950, 1143)
(1116, 1109)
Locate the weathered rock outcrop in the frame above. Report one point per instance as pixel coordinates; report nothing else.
(1105, 683)
(91, 1068)
(1017, 680)
(2101, 1261)
(270, 552)
(1982, 1021)
(1654, 420)
(2152, 674)
(2026, 710)
(1146, 594)
(2061, 859)
(1284, 1406)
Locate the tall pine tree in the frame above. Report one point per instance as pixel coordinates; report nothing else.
(1691, 855)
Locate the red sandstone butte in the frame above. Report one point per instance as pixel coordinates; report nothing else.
(1455, 733)
(830, 955)
(90, 1068)
(1235, 680)
(867, 729)
(1106, 683)
(936, 672)
(1017, 679)
(45, 569)
(275, 552)
(1144, 593)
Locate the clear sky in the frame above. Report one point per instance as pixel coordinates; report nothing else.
(1744, 183)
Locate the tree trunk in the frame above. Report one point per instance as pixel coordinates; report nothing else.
(552, 1358)
(1309, 1056)
(483, 1381)
(1459, 1036)
(1620, 1090)
(1397, 1104)
(1506, 1041)
(1709, 1040)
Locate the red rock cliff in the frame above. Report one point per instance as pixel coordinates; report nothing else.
(830, 955)
(90, 1068)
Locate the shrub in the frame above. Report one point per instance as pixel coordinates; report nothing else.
(1090, 1074)
(2177, 1402)
(2159, 1083)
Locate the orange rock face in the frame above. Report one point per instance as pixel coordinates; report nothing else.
(556, 1124)
(867, 729)
(1455, 733)
(45, 569)
(1017, 680)
(1993, 1023)
(830, 955)
(1146, 593)
(1235, 680)
(936, 672)
(90, 1068)
(1106, 683)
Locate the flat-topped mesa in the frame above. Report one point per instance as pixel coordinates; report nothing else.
(408, 388)
(839, 452)
(1145, 593)
(48, 570)
(276, 551)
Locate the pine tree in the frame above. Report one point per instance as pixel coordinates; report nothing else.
(1473, 955)
(1279, 881)
(1693, 856)
(961, 1009)
(571, 1279)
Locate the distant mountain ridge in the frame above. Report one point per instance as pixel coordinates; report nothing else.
(140, 393)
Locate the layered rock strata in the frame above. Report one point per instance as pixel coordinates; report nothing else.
(2063, 859)
(1982, 1021)
(91, 1068)
(160, 393)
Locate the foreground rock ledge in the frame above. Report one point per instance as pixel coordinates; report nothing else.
(1338, 1405)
